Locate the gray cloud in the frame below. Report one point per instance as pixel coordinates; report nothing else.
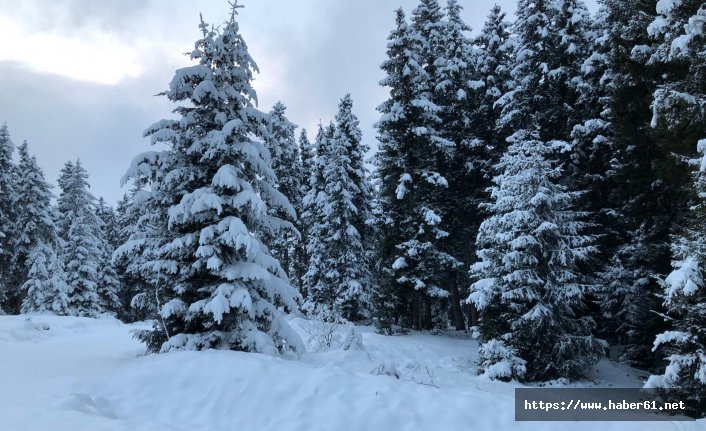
(310, 52)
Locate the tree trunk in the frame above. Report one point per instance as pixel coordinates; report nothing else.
(428, 323)
(417, 313)
(456, 311)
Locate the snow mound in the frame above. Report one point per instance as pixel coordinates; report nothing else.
(92, 375)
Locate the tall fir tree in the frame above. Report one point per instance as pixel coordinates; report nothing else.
(494, 48)
(312, 217)
(107, 215)
(286, 164)
(528, 285)
(36, 244)
(466, 169)
(108, 281)
(126, 219)
(9, 295)
(592, 154)
(528, 102)
(307, 151)
(684, 344)
(569, 47)
(412, 261)
(650, 182)
(492, 60)
(307, 154)
(138, 236)
(210, 197)
(680, 40)
(340, 252)
(80, 230)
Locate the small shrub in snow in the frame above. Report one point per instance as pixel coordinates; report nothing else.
(321, 329)
(500, 362)
(36, 326)
(386, 369)
(408, 370)
(353, 341)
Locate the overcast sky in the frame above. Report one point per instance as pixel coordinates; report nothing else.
(78, 76)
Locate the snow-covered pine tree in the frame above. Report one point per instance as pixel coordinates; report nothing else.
(680, 33)
(286, 164)
(685, 299)
(66, 203)
(36, 242)
(444, 52)
(313, 216)
(126, 219)
(108, 217)
(528, 101)
(592, 151)
(108, 281)
(9, 296)
(494, 48)
(570, 28)
(492, 54)
(410, 149)
(138, 236)
(307, 152)
(209, 197)
(679, 100)
(430, 30)
(342, 243)
(466, 169)
(650, 183)
(553, 43)
(81, 240)
(528, 286)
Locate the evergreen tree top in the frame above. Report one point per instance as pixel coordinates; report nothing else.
(6, 145)
(347, 122)
(427, 17)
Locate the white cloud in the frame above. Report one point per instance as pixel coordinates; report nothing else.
(98, 57)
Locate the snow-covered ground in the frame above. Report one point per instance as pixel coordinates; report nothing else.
(75, 374)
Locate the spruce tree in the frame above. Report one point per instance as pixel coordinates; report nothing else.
(493, 52)
(312, 217)
(466, 168)
(412, 261)
(307, 154)
(679, 31)
(8, 289)
(340, 250)
(528, 285)
(210, 197)
(137, 235)
(109, 283)
(529, 100)
(571, 28)
(36, 244)
(494, 48)
(651, 185)
(80, 230)
(107, 216)
(684, 344)
(286, 164)
(307, 151)
(592, 154)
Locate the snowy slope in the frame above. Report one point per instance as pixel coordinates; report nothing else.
(73, 374)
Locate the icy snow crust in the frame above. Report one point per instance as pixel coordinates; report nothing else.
(78, 374)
